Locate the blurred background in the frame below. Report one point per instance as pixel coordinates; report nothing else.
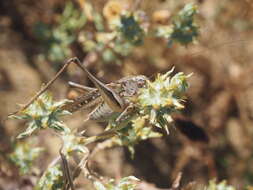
(37, 37)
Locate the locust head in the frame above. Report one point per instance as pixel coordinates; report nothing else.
(140, 80)
(131, 85)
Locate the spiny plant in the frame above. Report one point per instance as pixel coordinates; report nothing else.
(115, 33)
(154, 104)
(111, 36)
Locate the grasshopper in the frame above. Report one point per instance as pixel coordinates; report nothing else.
(123, 89)
(112, 99)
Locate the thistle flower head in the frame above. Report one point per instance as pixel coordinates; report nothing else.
(163, 97)
(43, 113)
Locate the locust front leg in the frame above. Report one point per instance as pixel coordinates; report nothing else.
(126, 113)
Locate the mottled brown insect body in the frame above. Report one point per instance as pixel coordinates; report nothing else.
(126, 88)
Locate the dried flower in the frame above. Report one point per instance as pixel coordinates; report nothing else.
(161, 17)
(112, 10)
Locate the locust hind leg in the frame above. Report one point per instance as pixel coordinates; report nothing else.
(82, 87)
(42, 90)
(109, 96)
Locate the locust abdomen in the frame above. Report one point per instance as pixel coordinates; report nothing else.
(102, 113)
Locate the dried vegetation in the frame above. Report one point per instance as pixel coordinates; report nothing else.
(36, 37)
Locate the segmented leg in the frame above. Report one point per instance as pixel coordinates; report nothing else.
(110, 97)
(66, 172)
(125, 113)
(43, 89)
(82, 87)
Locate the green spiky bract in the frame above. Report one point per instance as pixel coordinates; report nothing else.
(43, 113)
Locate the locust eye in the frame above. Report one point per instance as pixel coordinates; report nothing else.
(141, 82)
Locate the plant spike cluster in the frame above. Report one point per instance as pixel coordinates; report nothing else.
(183, 29)
(117, 31)
(42, 114)
(24, 155)
(152, 105)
